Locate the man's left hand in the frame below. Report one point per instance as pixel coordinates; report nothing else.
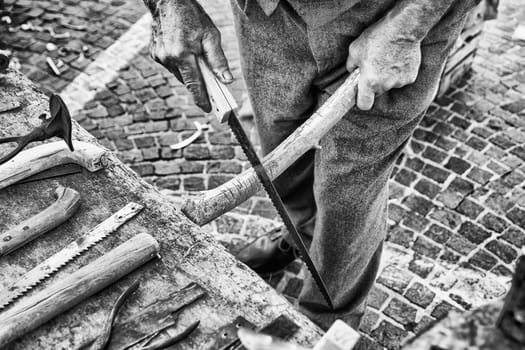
(386, 60)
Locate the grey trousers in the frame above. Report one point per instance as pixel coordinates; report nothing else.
(337, 195)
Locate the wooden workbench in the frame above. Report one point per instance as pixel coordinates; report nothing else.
(188, 254)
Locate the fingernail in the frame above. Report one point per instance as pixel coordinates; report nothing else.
(226, 76)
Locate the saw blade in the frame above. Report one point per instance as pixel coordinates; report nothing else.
(57, 261)
(268, 185)
(224, 106)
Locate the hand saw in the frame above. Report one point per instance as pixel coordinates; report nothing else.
(54, 263)
(224, 107)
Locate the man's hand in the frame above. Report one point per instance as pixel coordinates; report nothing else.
(389, 52)
(386, 60)
(182, 31)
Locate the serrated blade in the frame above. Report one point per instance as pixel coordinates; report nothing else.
(224, 106)
(277, 202)
(52, 264)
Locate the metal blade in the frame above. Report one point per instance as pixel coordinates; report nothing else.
(62, 170)
(74, 249)
(224, 106)
(267, 183)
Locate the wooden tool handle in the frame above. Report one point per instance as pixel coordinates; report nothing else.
(65, 206)
(207, 206)
(46, 156)
(221, 99)
(78, 286)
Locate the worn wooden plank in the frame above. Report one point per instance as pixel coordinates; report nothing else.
(474, 329)
(231, 287)
(76, 287)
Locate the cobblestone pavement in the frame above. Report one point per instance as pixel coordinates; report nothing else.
(457, 195)
(80, 29)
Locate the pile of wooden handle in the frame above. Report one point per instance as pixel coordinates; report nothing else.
(33, 311)
(78, 286)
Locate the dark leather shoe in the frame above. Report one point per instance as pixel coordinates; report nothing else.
(267, 254)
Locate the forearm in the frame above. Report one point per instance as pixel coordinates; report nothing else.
(413, 19)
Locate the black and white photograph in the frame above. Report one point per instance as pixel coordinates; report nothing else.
(262, 174)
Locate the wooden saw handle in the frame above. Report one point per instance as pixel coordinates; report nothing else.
(209, 205)
(221, 99)
(65, 206)
(46, 156)
(75, 288)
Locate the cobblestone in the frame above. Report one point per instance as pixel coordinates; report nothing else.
(389, 335)
(456, 200)
(401, 312)
(420, 295)
(394, 278)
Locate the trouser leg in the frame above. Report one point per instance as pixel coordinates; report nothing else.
(351, 182)
(278, 69)
(349, 194)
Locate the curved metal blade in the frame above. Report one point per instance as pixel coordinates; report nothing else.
(72, 250)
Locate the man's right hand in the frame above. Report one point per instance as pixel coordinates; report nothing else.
(181, 32)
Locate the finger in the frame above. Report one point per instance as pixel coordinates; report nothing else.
(155, 41)
(365, 95)
(212, 50)
(159, 54)
(192, 78)
(351, 64)
(170, 64)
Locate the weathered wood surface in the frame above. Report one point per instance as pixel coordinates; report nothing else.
(475, 329)
(188, 254)
(211, 204)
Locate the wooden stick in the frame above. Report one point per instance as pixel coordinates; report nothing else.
(46, 156)
(209, 205)
(65, 206)
(75, 288)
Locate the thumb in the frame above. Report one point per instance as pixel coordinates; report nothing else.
(351, 62)
(212, 49)
(365, 94)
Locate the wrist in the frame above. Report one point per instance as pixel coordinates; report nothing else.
(411, 20)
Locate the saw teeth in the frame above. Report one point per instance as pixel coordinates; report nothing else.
(72, 251)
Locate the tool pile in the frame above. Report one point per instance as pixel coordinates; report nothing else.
(155, 326)
(51, 301)
(39, 308)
